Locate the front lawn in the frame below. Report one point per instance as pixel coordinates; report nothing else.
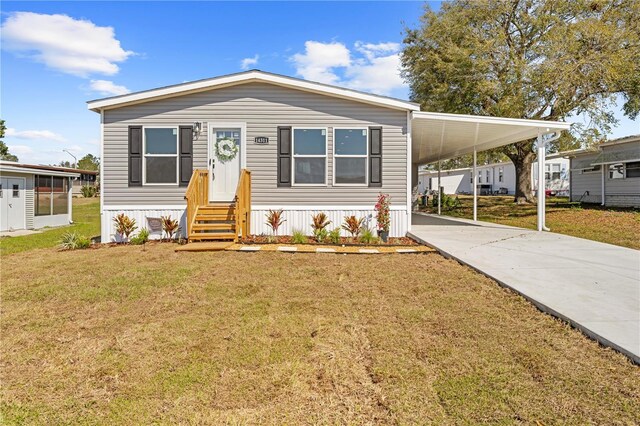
(593, 222)
(127, 335)
(86, 218)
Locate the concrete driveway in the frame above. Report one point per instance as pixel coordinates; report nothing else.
(594, 286)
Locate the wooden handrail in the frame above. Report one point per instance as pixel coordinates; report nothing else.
(243, 204)
(197, 194)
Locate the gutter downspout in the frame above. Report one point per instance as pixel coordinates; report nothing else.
(475, 175)
(602, 195)
(439, 191)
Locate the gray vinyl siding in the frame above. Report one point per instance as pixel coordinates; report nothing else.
(590, 181)
(29, 196)
(263, 107)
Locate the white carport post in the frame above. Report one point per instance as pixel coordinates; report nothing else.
(439, 190)
(475, 175)
(541, 183)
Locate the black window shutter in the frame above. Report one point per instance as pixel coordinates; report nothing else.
(375, 156)
(186, 154)
(284, 156)
(135, 155)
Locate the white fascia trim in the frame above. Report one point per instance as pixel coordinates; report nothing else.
(144, 207)
(548, 125)
(323, 207)
(249, 77)
(27, 171)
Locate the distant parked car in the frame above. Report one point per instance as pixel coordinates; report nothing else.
(550, 192)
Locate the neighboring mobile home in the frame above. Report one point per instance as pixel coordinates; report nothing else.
(218, 154)
(613, 169)
(497, 178)
(34, 197)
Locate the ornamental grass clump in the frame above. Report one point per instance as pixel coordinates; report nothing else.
(334, 236)
(319, 225)
(367, 236)
(124, 226)
(170, 226)
(298, 237)
(141, 238)
(274, 220)
(352, 225)
(74, 241)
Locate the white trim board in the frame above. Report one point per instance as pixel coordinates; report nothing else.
(249, 77)
(253, 207)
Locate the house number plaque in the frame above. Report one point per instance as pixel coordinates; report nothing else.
(261, 139)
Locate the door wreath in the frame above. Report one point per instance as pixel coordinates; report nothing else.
(226, 149)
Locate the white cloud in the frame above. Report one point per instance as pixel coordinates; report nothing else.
(247, 63)
(369, 67)
(319, 60)
(20, 150)
(108, 88)
(34, 135)
(77, 47)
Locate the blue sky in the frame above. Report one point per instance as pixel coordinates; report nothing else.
(58, 55)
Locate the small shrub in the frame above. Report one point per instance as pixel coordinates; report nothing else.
(448, 202)
(169, 226)
(319, 225)
(298, 237)
(73, 241)
(367, 236)
(274, 220)
(321, 235)
(124, 225)
(383, 216)
(141, 238)
(334, 236)
(88, 191)
(352, 225)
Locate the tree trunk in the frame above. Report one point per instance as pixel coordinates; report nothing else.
(522, 157)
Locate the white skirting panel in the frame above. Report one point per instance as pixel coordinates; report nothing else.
(301, 220)
(108, 233)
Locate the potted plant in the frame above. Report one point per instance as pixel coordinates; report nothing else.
(383, 217)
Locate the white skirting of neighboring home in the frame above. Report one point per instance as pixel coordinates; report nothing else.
(296, 218)
(299, 218)
(141, 214)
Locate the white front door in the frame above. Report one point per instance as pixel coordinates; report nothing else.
(225, 152)
(12, 209)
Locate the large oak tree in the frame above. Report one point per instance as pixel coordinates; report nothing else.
(545, 60)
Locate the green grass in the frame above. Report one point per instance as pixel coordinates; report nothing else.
(86, 217)
(593, 222)
(132, 335)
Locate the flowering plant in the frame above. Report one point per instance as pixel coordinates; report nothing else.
(383, 216)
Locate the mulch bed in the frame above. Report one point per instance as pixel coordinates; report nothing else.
(344, 241)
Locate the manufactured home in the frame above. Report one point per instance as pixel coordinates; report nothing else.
(497, 178)
(35, 196)
(218, 154)
(613, 169)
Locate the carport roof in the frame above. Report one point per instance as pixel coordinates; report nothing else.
(440, 136)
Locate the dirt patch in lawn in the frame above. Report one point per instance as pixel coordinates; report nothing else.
(122, 335)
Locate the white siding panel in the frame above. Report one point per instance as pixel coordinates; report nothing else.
(263, 107)
(108, 233)
(301, 220)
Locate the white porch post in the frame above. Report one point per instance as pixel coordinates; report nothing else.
(602, 196)
(541, 183)
(70, 199)
(475, 174)
(439, 192)
(475, 185)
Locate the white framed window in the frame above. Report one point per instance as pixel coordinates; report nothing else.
(160, 155)
(501, 174)
(350, 156)
(616, 171)
(479, 176)
(487, 174)
(309, 156)
(555, 171)
(632, 170)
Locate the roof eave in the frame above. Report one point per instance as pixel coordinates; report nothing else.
(243, 78)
